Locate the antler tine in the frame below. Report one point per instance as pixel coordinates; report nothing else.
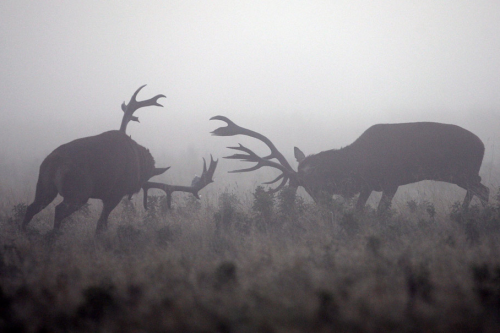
(280, 186)
(213, 165)
(205, 178)
(148, 102)
(133, 105)
(233, 129)
(275, 179)
(204, 166)
(230, 130)
(198, 183)
(261, 161)
(255, 167)
(250, 156)
(134, 95)
(164, 187)
(132, 118)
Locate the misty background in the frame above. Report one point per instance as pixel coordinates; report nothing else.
(312, 74)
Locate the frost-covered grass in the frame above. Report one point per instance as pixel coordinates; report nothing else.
(266, 264)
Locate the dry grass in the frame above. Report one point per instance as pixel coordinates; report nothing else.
(228, 267)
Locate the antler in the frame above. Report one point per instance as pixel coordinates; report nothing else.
(196, 185)
(249, 156)
(134, 105)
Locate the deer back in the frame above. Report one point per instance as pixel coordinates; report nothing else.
(109, 164)
(397, 154)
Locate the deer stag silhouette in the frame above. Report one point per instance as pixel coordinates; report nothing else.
(108, 167)
(383, 158)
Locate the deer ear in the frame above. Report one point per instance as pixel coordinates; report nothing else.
(299, 155)
(159, 171)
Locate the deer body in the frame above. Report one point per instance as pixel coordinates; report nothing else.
(107, 166)
(101, 165)
(387, 156)
(383, 158)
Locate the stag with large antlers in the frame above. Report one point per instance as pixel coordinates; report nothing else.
(383, 158)
(107, 166)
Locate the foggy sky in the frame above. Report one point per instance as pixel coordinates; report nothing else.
(313, 74)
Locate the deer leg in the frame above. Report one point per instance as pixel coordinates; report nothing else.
(478, 189)
(483, 193)
(468, 198)
(45, 194)
(65, 209)
(107, 208)
(363, 197)
(386, 200)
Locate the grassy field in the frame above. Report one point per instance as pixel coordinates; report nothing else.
(268, 264)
